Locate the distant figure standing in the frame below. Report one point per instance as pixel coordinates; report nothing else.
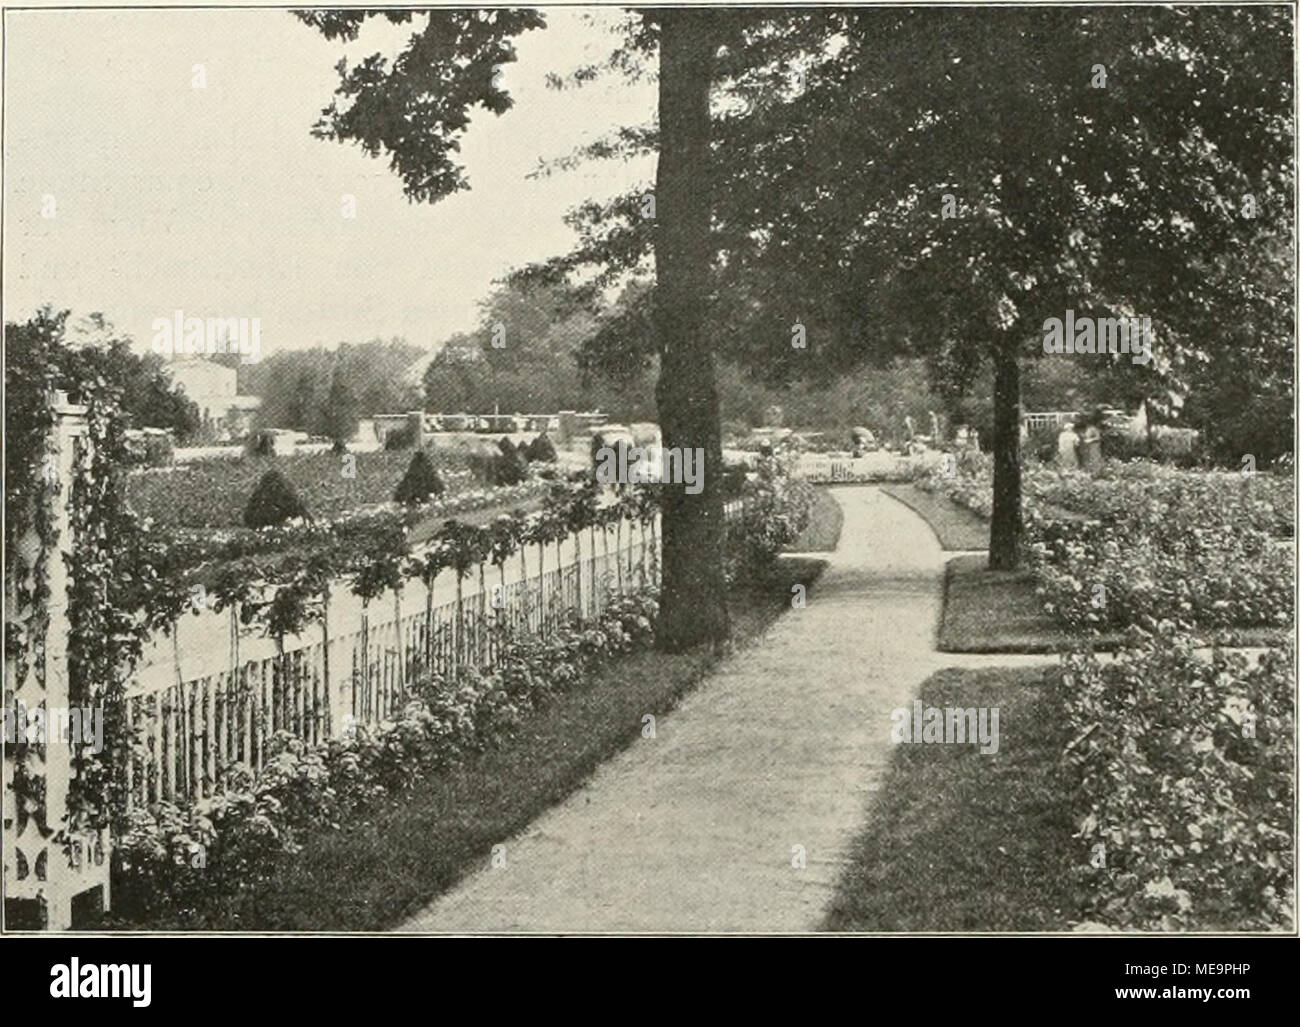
(1090, 448)
(1067, 449)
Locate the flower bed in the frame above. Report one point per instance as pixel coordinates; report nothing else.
(777, 506)
(1142, 489)
(191, 548)
(172, 859)
(1108, 576)
(1163, 494)
(1198, 547)
(212, 493)
(1180, 774)
(968, 482)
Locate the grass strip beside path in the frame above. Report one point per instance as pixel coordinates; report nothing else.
(988, 611)
(825, 522)
(958, 528)
(374, 873)
(959, 841)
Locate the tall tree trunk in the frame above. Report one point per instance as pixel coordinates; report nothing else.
(1005, 531)
(693, 606)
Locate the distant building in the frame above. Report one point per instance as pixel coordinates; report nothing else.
(213, 388)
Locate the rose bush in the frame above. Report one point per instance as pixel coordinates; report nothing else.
(1142, 542)
(1106, 576)
(1179, 773)
(777, 506)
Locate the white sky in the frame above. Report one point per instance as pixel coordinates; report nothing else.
(218, 201)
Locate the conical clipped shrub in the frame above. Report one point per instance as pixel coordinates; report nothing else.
(274, 501)
(506, 446)
(261, 443)
(420, 481)
(542, 449)
(509, 468)
(400, 438)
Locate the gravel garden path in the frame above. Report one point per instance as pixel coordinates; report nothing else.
(737, 816)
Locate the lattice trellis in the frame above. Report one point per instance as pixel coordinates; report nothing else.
(46, 874)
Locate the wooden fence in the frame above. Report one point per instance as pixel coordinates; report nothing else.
(879, 466)
(211, 694)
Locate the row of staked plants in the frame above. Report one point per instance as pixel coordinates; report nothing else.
(173, 861)
(128, 583)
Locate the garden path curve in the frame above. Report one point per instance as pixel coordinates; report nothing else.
(782, 746)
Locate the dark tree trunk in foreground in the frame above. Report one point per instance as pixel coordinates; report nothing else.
(1005, 531)
(693, 603)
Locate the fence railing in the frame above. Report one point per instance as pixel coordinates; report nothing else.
(1048, 419)
(210, 696)
(880, 466)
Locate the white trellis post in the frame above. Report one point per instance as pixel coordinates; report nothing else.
(44, 872)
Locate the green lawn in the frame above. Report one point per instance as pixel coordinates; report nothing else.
(988, 611)
(824, 525)
(373, 874)
(959, 841)
(957, 527)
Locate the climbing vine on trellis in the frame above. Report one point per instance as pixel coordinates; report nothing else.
(126, 583)
(108, 582)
